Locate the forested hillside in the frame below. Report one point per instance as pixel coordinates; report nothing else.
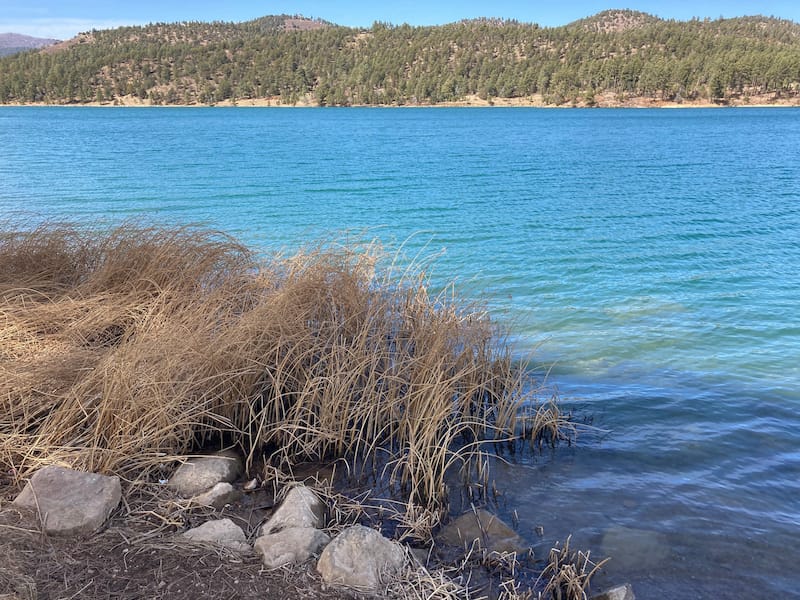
(289, 59)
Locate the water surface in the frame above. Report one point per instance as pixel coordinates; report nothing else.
(651, 257)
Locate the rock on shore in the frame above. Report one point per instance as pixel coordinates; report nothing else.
(70, 502)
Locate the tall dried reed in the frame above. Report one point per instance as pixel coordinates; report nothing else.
(125, 349)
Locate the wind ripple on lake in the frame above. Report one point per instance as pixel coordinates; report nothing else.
(652, 259)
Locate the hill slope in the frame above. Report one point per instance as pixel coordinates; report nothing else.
(614, 55)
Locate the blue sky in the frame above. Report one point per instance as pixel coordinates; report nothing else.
(64, 18)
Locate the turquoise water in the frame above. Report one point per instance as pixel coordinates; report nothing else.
(651, 258)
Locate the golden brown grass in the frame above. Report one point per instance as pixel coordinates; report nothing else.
(123, 350)
(568, 573)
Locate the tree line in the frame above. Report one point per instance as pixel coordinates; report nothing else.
(206, 63)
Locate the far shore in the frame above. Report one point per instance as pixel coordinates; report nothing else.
(536, 101)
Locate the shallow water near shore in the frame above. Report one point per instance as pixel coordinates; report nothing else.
(649, 260)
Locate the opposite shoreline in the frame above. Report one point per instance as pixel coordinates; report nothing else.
(536, 101)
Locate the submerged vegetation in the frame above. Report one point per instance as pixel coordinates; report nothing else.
(124, 350)
(288, 59)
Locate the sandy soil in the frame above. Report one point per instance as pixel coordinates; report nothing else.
(601, 101)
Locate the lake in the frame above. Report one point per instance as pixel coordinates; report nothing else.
(648, 261)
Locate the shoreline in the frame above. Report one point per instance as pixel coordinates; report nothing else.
(537, 101)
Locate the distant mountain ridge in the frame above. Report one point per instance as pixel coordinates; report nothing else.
(11, 43)
(616, 57)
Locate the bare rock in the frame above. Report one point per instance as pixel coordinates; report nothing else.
(221, 494)
(222, 532)
(301, 508)
(620, 592)
(70, 502)
(201, 473)
(360, 558)
(290, 545)
(491, 533)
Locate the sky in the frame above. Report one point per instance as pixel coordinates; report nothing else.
(62, 19)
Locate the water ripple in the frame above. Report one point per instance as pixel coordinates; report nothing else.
(651, 257)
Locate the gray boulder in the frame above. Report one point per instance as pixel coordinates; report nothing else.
(70, 502)
(491, 533)
(290, 545)
(222, 532)
(620, 592)
(301, 508)
(201, 473)
(218, 496)
(360, 558)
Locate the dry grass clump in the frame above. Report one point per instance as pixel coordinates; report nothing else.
(568, 573)
(125, 349)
